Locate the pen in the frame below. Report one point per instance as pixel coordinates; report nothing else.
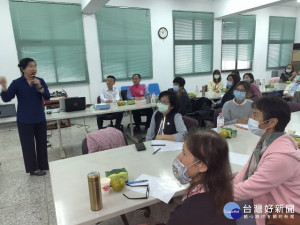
(158, 145)
(156, 151)
(137, 181)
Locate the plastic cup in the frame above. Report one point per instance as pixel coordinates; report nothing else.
(105, 185)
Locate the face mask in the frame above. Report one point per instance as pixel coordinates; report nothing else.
(253, 127)
(288, 71)
(229, 84)
(175, 88)
(216, 77)
(239, 95)
(162, 107)
(179, 171)
(297, 78)
(247, 80)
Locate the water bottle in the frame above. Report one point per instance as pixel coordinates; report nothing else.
(197, 91)
(220, 122)
(263, 84)
(114, 101)
(95, 191)
(153, 98)
(148, 99)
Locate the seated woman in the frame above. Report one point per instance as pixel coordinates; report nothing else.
(290, 90)
(239, 109)
(204, 164)
(166, 123)
(288, 74)
(271, 176)
(216, 83)
(232, 80)
(254, 89)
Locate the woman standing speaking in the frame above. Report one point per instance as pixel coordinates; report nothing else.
(31, 120)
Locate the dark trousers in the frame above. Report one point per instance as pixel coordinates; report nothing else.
(110, 116)
(141, 112)
(33, 139)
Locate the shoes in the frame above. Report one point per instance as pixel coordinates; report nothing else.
(38, 173)
(137, 129)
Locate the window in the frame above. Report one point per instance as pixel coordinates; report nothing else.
(238, 36)
(125, 42)
(51, 34)
(193, 42)
(281, 39)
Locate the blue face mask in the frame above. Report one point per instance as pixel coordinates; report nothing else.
(288, 71)
(179, 171)
(239, 95)
(175, 88)
(297, 79)
(229, 84)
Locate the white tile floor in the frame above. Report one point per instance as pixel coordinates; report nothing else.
(26, 199)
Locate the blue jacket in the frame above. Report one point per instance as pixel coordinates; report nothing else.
(30, 106)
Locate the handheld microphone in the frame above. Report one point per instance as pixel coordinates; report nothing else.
(33, 76)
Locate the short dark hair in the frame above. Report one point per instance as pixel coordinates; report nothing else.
(246, 85)
(112, 77)
(236, 72)
(136, 74)
(236, 78)
(180, 81)
(249, 75)
(211, 149)
(173, 99)
(274, 107)
(24, 63)
(217, 80)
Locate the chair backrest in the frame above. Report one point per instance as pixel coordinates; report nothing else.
(125, 88)
(154, 88)
(216, 114)
(98, 100)
(274, 80)
(190, 122)
(294, 106)
(84, 146)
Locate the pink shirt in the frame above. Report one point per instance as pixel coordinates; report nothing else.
(137, 90)
(276, 180)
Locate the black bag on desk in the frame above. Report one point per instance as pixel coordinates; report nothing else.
(201, 109)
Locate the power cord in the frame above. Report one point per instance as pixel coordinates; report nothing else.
(83, 125)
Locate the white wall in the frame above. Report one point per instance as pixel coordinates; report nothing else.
(297, 33)
(161, 15)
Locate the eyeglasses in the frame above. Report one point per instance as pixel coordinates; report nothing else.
(241, 90)
(144, 185)
(163, 102)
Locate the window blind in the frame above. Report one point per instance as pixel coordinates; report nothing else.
(238, 37)
(51, 34)
(125, 42)
(193, 42)
(281, 39)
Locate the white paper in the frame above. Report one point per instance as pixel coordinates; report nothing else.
(170, 145)
(242, 125)
(163, 189)
(239, 159)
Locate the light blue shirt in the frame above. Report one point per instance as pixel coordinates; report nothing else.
(294, 88)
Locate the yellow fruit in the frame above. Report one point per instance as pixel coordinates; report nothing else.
(223, 133)
(217, 91)
(118, 184)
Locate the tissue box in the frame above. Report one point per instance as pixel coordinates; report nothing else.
(102, 106)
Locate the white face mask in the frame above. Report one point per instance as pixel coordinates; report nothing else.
(216, 76)
(253, 127)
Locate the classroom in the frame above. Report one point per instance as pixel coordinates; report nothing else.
(152, 97)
